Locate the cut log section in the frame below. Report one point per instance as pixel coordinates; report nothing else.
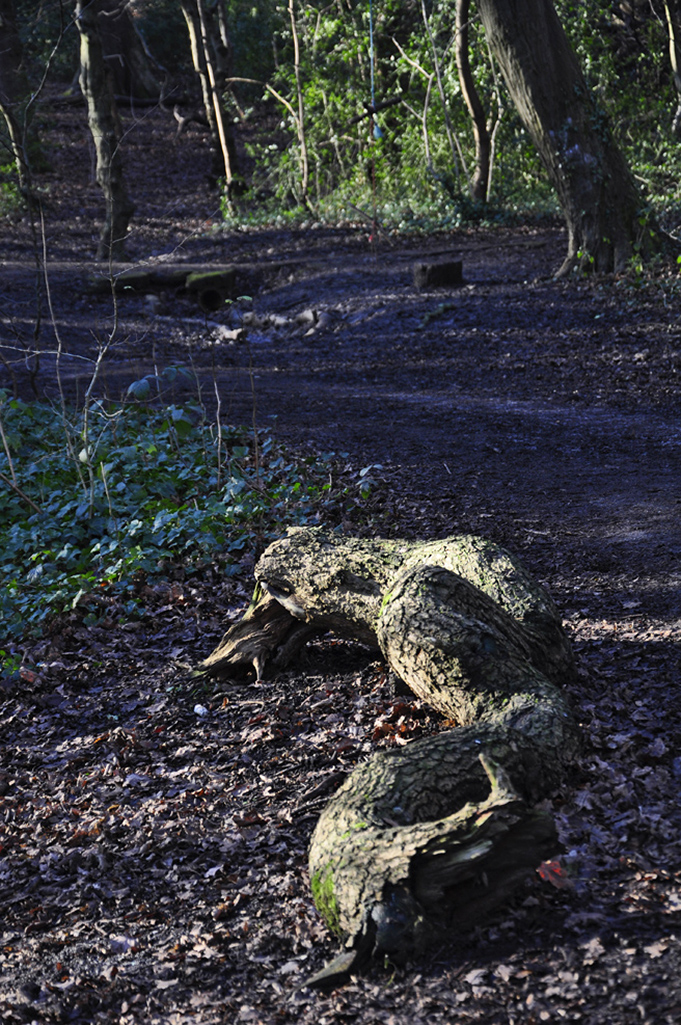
(213, 289)
(438, 274)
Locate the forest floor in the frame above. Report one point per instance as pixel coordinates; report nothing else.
(154, 835)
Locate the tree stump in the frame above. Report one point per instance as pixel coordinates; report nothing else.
(439, 274)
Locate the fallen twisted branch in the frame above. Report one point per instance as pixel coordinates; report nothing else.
(425, 840)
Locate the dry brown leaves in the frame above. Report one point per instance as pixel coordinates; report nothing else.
(153, 834)
(153, 861)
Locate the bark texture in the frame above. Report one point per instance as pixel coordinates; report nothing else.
(97, 86)
(606, 219)
(424, 840)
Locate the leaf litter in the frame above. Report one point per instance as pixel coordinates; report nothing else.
(154, 832)
(153, 861)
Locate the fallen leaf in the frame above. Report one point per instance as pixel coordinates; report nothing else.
(553, 872)
(656, 949)
(592, 950)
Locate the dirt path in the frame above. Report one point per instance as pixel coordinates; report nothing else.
(544, 415)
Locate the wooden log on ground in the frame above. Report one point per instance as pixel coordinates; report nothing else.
(421, 843)
(425, 840)
(213, 289)
(438, 274)
(266, 634)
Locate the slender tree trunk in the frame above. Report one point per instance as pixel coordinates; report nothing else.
(17, 148)
(211, 58)
(304, 162)
(191, 17)
(483, 148)
(606, 217)
(13, 89)
(222, 51)
(96, 83)
(215, 98)
(673, 19)
(454, 144)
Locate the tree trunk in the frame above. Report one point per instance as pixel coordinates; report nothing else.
(125, 52)
(300, 120)
(97, 87)
(191, 17)
(673, 18)
(212, 63)
(416, 844)
(13, 90)
(483, 145)
(606, 217)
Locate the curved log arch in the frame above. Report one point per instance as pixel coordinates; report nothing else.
(426, 839)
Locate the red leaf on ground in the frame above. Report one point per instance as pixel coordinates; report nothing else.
(553, 872)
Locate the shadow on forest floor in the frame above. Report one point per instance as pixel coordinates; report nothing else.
(154, 855)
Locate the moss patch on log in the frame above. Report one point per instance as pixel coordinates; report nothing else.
(321, 884)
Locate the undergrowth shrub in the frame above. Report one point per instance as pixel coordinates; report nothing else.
(415, 172)
(158, 493)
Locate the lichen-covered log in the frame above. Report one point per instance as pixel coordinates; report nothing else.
(461, 652)
(415, 846)
(341, 583)
(426, 839)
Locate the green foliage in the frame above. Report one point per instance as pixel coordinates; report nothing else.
(251, 28)
(367, 481)
(153, 492)
(11, 201)
(47, 30)
(624, 54)
(415, 175)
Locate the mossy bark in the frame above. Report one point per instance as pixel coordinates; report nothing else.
(341, 583)
(425, 839)
(607, 218)
(421, 842)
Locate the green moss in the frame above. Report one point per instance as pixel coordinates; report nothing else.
(324, 898)
(199, 280)
(357, 825)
